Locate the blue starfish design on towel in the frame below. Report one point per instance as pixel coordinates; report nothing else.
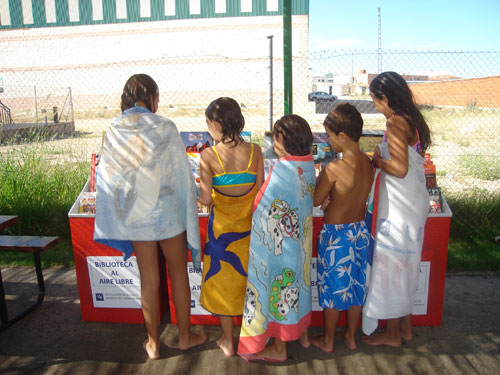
(216, 248)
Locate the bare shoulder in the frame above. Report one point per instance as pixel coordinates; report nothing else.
(207, 154)
(397, 125)
(256, 149)
(334, 168)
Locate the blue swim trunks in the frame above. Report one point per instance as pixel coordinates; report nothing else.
(342, 260)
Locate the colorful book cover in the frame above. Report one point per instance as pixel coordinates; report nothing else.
(196, 141)
(435, 204)
(87, 202)
(430, 176)
(194, 162)
(322, 151)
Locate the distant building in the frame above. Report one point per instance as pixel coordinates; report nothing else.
(196, 50)
(353, 85)
(20, 14)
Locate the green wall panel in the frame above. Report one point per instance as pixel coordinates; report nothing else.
(207, 10)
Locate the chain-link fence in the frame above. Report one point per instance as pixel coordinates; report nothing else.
(458, 93)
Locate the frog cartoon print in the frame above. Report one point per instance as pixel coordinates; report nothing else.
(282, 222)
(283, 296)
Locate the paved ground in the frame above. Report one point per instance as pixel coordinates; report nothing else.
(54, 339)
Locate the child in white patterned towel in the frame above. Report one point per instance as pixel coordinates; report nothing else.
(146, 200)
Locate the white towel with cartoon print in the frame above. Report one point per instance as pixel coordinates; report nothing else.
(403, 204)
(278, 294)
(145, 189)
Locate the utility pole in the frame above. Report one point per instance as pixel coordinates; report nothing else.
(379, 43)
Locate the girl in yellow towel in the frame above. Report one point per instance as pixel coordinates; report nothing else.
(231, 174)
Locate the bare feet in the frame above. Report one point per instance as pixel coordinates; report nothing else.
(270, 353)
(304, 340)
(323, 343)
(227, 346)
(194, 339)
(406, 331)
(382, 339)
(152, 353)
(349, 341)
(406, 336)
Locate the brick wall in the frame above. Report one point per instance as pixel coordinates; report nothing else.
(464, 92)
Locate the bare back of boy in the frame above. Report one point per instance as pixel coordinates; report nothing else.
(346, 183)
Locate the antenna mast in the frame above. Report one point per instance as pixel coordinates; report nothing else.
(379, 42)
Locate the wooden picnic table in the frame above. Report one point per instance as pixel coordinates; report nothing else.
(7, 221)
(32, 244)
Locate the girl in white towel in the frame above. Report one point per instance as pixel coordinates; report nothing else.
(402, 212)
(146, 200)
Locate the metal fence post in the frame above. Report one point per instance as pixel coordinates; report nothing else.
(270, 110)
(287, 56)
(36, 106)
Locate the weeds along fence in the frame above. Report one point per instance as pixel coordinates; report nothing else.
(458, 93)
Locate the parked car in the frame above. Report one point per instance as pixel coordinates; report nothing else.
(321, 96)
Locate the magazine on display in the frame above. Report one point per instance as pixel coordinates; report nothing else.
(435, 201)
(87, 203)
(322, 151)
(430, 173)
(196, 141)
(435, 197)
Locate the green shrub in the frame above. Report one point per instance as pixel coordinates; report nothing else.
(40, 192)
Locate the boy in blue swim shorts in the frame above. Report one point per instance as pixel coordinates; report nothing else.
(343, 244)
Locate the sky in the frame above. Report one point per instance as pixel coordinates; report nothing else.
(424, 25)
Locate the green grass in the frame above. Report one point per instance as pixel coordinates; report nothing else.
(41, 193)
(59, 255)
(474, 225)
(480, 166)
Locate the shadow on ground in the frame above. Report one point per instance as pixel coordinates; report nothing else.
(54, 339)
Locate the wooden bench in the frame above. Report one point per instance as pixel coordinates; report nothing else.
(29, 244)
(7, 221)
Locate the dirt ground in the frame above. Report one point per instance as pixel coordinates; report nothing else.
(54, 339)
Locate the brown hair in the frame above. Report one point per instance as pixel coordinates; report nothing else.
(296, 133)
(139, 87)
(400, 100)
(227, 112)
(347, 119)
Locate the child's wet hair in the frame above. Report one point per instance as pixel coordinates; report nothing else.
(139, 87)
(347, 119)
(296, 133)
(227, 112)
